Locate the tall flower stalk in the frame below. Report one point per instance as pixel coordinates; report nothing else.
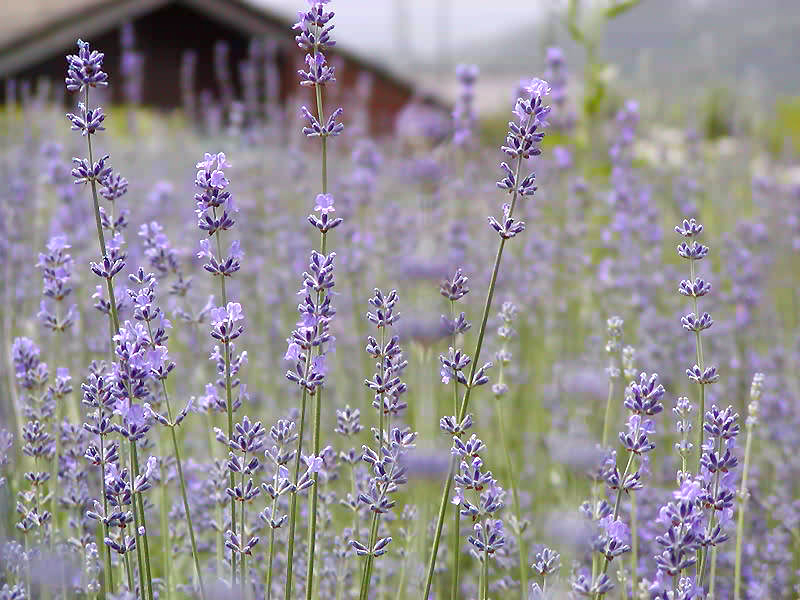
(503, 357)
(146, 311)
(388, 472)
(522, 142)
(84, 71)
(643, 399)
(454, 290)
(215, 211)
(756, 389)
(479, 497)
(696, 287)
(313, 35)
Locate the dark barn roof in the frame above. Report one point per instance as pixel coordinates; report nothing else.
(33, 44)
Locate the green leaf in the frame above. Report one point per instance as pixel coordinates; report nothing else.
(571, 22)
(619, 8)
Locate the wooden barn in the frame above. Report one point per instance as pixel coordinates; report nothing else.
(173, 53)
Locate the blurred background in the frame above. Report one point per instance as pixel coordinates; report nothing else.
(692, 60)
(662, 109)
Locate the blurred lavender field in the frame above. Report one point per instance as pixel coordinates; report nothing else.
(594, 394)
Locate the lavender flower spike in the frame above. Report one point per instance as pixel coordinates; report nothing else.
(522, 142)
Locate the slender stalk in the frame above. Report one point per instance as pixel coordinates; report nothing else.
(165, 549)
(268, 592)
(456, 540)
(184, 497)
(485, 571)
(699, 351)
(619, 500)
(365, 579)
(293, 502)
(145, 538)
(521, 546)
(743, 497)
(128, 568)
(136, 521)
(634, 545)
(181, 479)
(468, 390)
(375, 516)
(713, 575)
(312, 526)
(711, 523)
(244, 557)
(401, 585)
(228, 400)
(607, 418)
(109, 575)
(27, 568)
(113, 320)
(99, 224)
(317, 421)
(220, 541)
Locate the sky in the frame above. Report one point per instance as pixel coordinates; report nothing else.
(421, 31)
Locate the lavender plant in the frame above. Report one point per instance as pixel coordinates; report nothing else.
(388, 472)
(521, 143)
(313, 35)
(696, 287)
(756, 390)
(94, 520)
(215, 212)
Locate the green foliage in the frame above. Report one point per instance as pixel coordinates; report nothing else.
(619, 8)
(717, 114)
(787, 120)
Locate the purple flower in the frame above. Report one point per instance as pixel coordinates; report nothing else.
(232, 312)
(537, 88)
(313, 463)
(324, 204)
(85, 69)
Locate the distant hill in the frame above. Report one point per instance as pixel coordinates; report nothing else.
(733, 42)
(667, 43)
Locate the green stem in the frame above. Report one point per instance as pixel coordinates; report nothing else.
(293, 502)
(244, 541)
(619, 500)
(228, 400)
(182, 480)
(185, 498)
(268, 592)
(167, 558)
(711, 523)
(312, 523)
(523, 553)
(113, 326)
(699, 353)
(607, 418)
(401, 585)
(743, 496)
(465, 401)
(455, 548)
(634, 545)
(128, 568)
(135, 506)
(485, 571)
(713, 575)
(109, 575)
(144, 557)
(365, 579)
(374, 529)
(99, 225)
(27, 568)
(312, 526)
(220, 542)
